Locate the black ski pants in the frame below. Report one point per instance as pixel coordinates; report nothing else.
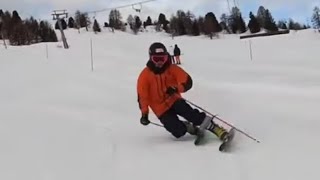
(174, 125)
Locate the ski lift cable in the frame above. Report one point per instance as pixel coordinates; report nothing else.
(118, 7)
(229, 6)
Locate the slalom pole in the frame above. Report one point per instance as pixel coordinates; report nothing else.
(215, 116)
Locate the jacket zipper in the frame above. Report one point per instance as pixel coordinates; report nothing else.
(159, 94)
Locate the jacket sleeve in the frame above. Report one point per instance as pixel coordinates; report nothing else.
(183, 78)
(143, 93)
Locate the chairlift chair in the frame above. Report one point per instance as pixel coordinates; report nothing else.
(137, 9)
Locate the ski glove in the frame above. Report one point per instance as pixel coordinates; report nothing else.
(144, 120)
(171, 90)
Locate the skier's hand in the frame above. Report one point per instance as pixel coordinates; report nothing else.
(171, 90)
(144, 120)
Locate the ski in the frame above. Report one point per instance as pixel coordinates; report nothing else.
(225, 145)
(199, 137)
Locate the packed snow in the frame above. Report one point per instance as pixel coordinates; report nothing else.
(62, 120)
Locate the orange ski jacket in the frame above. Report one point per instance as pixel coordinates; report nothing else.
(152, 85)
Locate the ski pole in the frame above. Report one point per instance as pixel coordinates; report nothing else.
(215, 116)
(246, 134)
(156, 124)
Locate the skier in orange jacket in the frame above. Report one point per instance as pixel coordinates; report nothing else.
(159, 87)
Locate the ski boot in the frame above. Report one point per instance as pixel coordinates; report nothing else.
(191, 129)
(220, 132)
(209, 125)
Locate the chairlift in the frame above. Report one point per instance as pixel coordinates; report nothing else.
(137, 9)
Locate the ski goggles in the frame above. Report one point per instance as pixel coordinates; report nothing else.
(159, 59)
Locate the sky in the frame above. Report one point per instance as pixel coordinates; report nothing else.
(299, 10)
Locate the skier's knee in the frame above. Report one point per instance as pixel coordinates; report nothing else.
(179, 134)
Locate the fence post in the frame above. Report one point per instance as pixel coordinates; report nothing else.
(250, 49)
(47, 51)
(91, 54)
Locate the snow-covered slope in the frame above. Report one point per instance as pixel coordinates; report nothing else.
(61, 121)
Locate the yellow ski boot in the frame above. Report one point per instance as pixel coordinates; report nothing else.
(220, 132)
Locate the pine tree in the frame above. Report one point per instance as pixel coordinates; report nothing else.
(282, 24)
(115, 19)
(24, 32)
(174, 25)
(261, 16)
(149, 21)
(96, 26)
(82, 20)
(15, 17)
(316, 17)
(269, 23)
(6, 24)
(294, 25)
(224, 22)
(178, 23)
(138, 22)
(162, 20)
(201, 24)
(242, 25)
(180, 17)
(236, 22)
(18, 35)
(71, 23)
(63, 23)
(195, 28)
(52, 36)
(1, 23)
(212, 26)
(130, 21)
(46, 33)
(188, 22)
(17, 30)
(182, 23)
(253, 25)
(33, 30)
(136, 25)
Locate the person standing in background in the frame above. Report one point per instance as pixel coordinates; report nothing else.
(177, 53)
